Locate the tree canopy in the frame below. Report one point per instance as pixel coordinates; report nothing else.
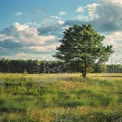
(83, 45)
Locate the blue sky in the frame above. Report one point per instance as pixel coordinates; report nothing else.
(31, 29)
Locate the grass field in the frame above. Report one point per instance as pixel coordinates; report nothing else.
(60, 98)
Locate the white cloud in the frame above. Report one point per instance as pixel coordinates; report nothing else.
(44, 48)
(92, 10)
(19, 13)
(4, 37)
(105, 8)
(25, 35)
(20, 27)
(109, 15)
(62, 13)
(36, 40)
(60, 22)
(119, 2)
(80, 9)
(25, 42)
(115, 39)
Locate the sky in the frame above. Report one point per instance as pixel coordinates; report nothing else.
(31, 29)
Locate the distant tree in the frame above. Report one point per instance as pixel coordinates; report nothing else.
(83, 45)
(100, 68)
(114, 68)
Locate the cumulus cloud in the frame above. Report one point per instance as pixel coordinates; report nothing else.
(91, 8)
(109, 17)
(19, 39)
(51, 25)
(114, 1)
(105, 15)
(4, 37)
(114, 38)
(20, 27)
(80, 9)
(54, 28)
(27, 35)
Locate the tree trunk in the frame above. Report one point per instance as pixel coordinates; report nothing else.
(84, 69)
(84, 72)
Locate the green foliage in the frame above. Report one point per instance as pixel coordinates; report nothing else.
(83, 45)
(100, 68)
(26, 66)
(114, 68)
(90, 69)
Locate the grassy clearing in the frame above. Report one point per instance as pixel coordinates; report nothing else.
(60, 98)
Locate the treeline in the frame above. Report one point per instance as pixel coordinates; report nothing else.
(36, 66)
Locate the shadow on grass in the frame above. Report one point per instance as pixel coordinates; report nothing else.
(12, 109)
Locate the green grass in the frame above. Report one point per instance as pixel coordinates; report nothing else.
(60, 97)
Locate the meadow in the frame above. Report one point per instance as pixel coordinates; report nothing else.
(60, 98)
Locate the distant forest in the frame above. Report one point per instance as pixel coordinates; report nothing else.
(36, 66)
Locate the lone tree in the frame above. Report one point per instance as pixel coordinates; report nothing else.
(83, 45)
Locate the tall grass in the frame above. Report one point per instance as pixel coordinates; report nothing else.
(60, 97)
